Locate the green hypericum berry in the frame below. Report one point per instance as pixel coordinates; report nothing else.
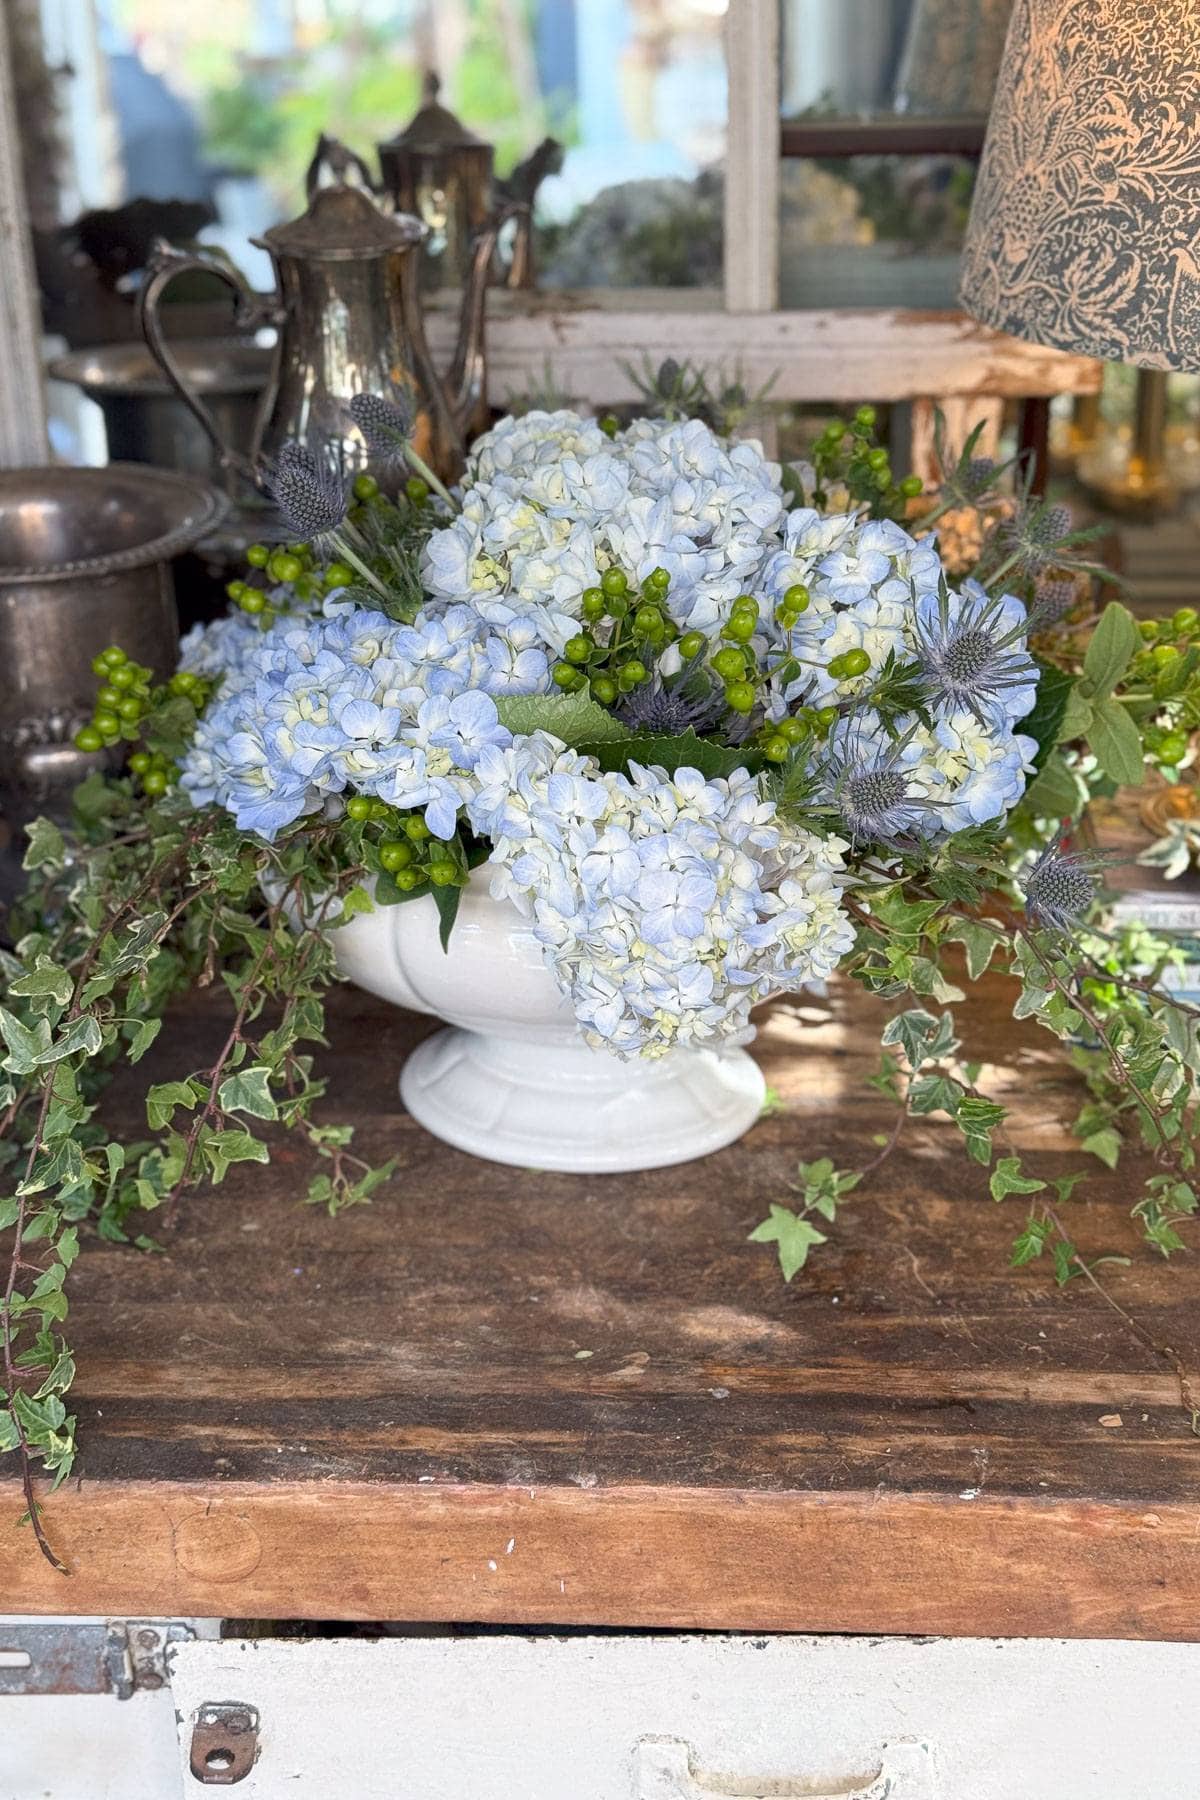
(107, 695)
(114, 657)
(139, 762)
(155, 782)
(792, 731)
(235, 589)
(339, 574)
(729, 664)
(659, 580)
(417, 830)
(1173, 748)
(417, 490)
(610, 425)
(567, 677)
(408, 879)
(864, 418)
(741, 628)
(911, 486)
(358, 807)
(882, 480)
(287, 568)
(635, 671)
(848, 664)
(99, 666)
(592, 604)
(877, 459)
(1148, 629)
(604, 689)
(123, 676)
(89, 739)
(796, 597)
(131, 708)
(776, 749)
(614, 582)
(1164, 655)
(258, 556)
(443, 874)
(1185, 621)
(253, 600)
(106, 722)
(396, 855)
(648, 620)
(365, 487)
(691, 644)
(827, 716)
(578, 648)
(740, 696)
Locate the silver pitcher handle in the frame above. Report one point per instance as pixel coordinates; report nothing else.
(252, 311)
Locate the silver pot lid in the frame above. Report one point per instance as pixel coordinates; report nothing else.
(435, 128)
(342, 224)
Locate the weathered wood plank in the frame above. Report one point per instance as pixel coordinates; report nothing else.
(838, 356)
(912, 1437)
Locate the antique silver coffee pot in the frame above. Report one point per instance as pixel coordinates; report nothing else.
(347, 311)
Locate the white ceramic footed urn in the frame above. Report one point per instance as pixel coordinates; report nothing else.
(511, 1079)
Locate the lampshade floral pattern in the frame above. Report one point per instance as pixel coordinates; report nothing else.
(1085, 229)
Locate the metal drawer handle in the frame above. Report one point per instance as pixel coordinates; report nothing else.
(666, 1770)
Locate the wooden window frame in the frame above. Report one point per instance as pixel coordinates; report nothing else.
(591, 339)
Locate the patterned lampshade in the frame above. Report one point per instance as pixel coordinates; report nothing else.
(1085, 228)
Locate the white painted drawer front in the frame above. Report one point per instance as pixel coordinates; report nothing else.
(704, 1718)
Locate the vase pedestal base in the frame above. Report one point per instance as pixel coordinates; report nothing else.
(564, 1106)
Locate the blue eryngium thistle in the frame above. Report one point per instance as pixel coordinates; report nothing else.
(1060, 888)
(971, 658)
(685, 706)
(866, 781)
(386, 425)
(310, 496)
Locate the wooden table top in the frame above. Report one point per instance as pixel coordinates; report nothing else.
(527, 1397)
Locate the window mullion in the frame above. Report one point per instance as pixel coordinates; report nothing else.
(751, 248)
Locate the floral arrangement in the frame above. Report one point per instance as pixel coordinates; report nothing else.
(715, 727)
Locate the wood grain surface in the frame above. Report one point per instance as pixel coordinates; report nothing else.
(290, 1416)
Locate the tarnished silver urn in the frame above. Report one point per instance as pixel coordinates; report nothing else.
(85, 561)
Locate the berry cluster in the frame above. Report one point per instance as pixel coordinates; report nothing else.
(124, 699)
(848, 455)
(405, 848)
(639, 629)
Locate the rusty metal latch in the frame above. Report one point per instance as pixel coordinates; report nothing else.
(113, 1656)
(224, 1742)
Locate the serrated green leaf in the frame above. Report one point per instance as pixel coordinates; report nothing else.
(1113, 645)
(1117, 743)
(683, 751)
(574, 719)
(27, 1045)
(1057, 792)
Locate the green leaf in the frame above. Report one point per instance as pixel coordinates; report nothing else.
(45, 848)
(669, 753)
(1006, 1178)
(1117, 743)
(794, 1237)
(222, 1148)
(979, 941)
(446, 899)
(574, 719)
(1106, 1144)
(82, 1035)
(1045, 721)
(1113, 645)
(1057, 792)
(914, 1031)
(47, 978)
(141, 1038)
(26, 1046)
(162, 1100)
(249, 1091)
